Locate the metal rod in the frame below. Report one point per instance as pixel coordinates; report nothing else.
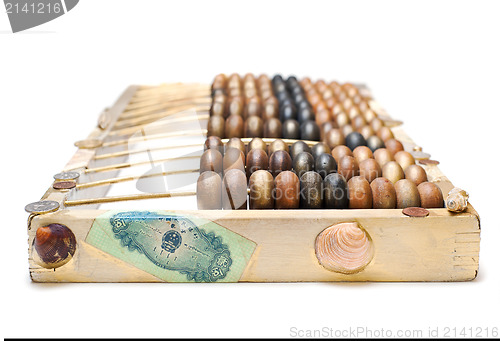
(133, 129)
(141, 196)
(188, 97)
(142, 150)
(139, 163)
(146, 119)
(132, 178)
(197, 132)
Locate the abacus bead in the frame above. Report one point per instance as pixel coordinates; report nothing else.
(214, 142)
(406, 194)
(354, 140)
(299, 147)
(302, 163)
(370, 169)
(257, 143)
(277, 144)
(393, 172)
(256, 160)
(335, 192)
(362, 153)
(291, 129)
(325, 128)
(261, 185)
(235, 107)
(376, 124)
(334, 138)
(430, 195)
(404, 159)
(253, 107)
(416, 174)
(218, 109)
(384, 194)
(235, 142)
(367, 132)
(382, 156)
(348, 167)
(234, 126)
(321, 117)
(211, 160)
(385, 133)
(340, 151)
(270, 109)
(311, 190)
(287, 190)
(360, 193)
(309, 130)
(254, 127)
(216, 126)
(305, 114)
(325, 164)
(279, 161)
(234, 195)
(320, 148)
(374, 143)
(272, 128)
(347, 129)
(394, 146)
(234, 159)
(288, 112)
(208, 191)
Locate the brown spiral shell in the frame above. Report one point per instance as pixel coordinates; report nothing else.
(54, 245)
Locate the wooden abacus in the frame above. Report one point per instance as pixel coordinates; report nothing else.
(251, 180)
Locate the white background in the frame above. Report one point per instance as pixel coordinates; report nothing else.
(434, 65)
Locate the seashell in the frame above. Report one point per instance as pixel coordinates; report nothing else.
(457, 199)
(54, 245)
(344, 248)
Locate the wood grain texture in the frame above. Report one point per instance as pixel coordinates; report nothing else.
(441, 247)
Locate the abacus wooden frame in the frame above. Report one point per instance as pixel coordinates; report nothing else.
(441, 247)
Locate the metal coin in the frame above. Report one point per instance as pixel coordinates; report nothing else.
(428, 162)
(67, 176)
(415, 212)
(64, 185)
(40, 207)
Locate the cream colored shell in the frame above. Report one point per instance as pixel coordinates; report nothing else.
(344, 248)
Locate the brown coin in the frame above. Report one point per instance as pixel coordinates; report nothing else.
(415, 212)
(64, 185)
(428, 162)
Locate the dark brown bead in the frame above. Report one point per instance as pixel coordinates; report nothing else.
(430, 195)
(309, 130)
(256, 160)
(216, 126)
(384, 194)
(218, 108)
(320, 148)
(261, 185)
(234, 195)
(279, 161)
(311, 190)
(234, 159)
(287, 190)
(214, 142)
(272, 128)
(299, 147)
(270, 109)
(291, 129)
(336, 194)
(325, 164)
(234, 126)
(302, 163)
(208, 191)
(325, 128)
(235, 106)
(254, 127)
(370, 169)
(211, 160)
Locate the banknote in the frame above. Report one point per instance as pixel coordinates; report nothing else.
(174, 248)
